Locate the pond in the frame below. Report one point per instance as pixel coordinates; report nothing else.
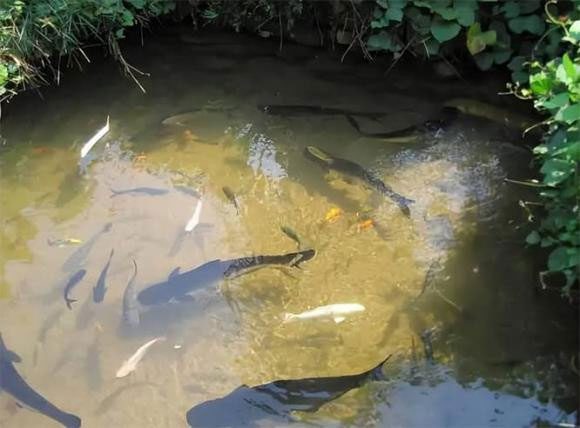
(448, 292)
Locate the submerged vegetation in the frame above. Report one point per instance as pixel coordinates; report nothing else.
(538, 41)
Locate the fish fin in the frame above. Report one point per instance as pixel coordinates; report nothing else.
(174, 272)
(68, 303)
(12, 356)
(377, 372)
(288, 317)
(338, 320)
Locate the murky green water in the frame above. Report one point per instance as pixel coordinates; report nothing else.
(502, 354)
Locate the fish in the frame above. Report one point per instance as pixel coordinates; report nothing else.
(413, 133)
(290, 233)
(81, 253)
(63, 242)
(187, 190)
(310, 110)
(100, 289)
(232, 198)
(332, 215)
(94, 139)
(354, 170)
(337, 312)
(108, 401)
(151, 191)
(131, 364)
(74, 280)
(249, 406)
(194, 220)
(180, 119)
(179, 286)
(14, 385)
(130, 304)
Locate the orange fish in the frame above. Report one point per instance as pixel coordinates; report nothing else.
(364, 225)
(333, 214)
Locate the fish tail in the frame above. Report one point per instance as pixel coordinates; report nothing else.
(68, 303)
(114, 193)
(353, 123)
(377, 372)
(288, 317)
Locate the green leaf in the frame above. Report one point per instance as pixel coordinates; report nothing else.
(516, 63)
(556, 101)
(569, 114)
(571, 152)
(556, 170)
(465, 12)
(448, 14)
(383, 41)
(444, 30)
(540, 83)
(501, 55)
(533, 238)
(477, 41)
(569, 67)
(531, 23)
(511, 9)
(484, 60)
(3, 75)
(574, 31)
(127, 18)
(562, 258)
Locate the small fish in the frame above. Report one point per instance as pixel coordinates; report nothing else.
(63, 242)
(89, 144)
(194, 221)
(232, 197)
(130, 304)
(187, 190)
(131, 364)
(74, 280)
(364, 225)
(151, 191)
(333, 214)
(337, 312)
(100, 289)
(291, 234)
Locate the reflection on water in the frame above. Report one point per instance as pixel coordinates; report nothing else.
(501, 355)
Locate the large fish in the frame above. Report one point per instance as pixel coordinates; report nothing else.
(130, 305)
(100, 289)
(354, 170)
(74, 280)
(179, 285)
(310, 110)
(16, 386)
(276, 400)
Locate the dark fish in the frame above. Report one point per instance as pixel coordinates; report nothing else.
(305, 110)
(151, 191)
(427, 339)
(74, 280)
(232, 197)
(434, 267)
(130, 303)
(353, 170)
(100, 289)
(291, 234)
(79, 256)
(179, 285)
(411, 133)
(276, 400)
(15, 386)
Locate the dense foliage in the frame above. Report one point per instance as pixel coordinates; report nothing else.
(33, 31)
(537, 40)
(555, 89)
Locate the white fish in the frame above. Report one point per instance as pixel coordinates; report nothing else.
(89, 144)
(337, 312)
(194, 221)
(131, 364)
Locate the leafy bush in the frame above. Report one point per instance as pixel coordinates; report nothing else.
(555, 88)
(33, 31)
